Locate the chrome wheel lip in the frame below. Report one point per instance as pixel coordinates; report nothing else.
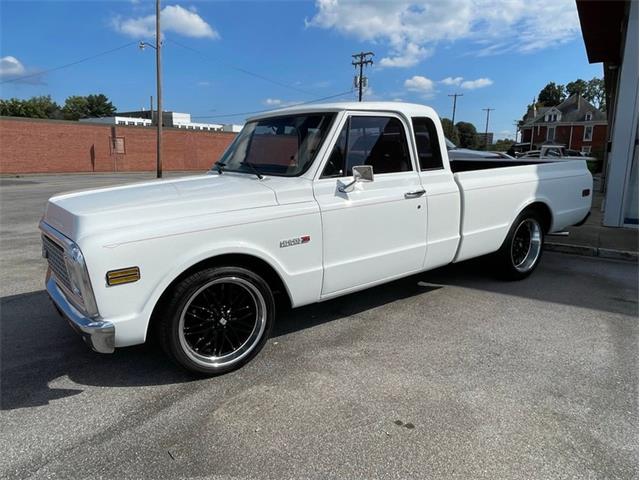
(244, 349)
(534, 247)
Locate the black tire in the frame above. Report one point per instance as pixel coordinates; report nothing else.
(207, 315)
(521, 251)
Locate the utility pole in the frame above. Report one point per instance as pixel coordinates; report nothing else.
(516, 123)
(159, 92)
(486, 127)
(362, 59)
(455, 98)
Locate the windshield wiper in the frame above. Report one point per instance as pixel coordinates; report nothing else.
(253, 167)
(219, 167)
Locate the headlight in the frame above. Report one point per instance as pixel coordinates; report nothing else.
(79, 278)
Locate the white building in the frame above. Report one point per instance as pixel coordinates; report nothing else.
(169, 119)
(117, 120)
(230, 127)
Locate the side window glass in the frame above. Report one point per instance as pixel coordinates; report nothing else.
(427, 143)
(377, 141)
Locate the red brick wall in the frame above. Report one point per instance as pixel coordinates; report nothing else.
(49, 146)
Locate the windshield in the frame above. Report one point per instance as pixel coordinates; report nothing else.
(283, 146)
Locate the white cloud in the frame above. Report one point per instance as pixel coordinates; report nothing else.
(420, 84)
(452, 81)
(478, 83)
(174, 18)
(13, 70)
(412, 55)
(412, 28)
(468, 84)
(11, 66)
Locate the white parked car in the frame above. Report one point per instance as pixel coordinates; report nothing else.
(308, 203)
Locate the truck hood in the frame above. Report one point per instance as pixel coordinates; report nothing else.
(81, 213)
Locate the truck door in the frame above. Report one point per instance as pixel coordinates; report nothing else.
(442, 193)
(372, 231)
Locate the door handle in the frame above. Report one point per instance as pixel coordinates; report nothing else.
(415, 194)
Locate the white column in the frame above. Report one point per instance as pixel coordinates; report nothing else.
(625, 127)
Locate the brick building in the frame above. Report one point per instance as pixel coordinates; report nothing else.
(574, 123)
(29, 145)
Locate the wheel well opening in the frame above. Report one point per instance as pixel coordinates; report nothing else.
(255, 264)
(543, 210)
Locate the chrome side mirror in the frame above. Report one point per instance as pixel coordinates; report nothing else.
(361, 173)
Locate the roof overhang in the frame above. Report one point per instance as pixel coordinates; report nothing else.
(601, 22)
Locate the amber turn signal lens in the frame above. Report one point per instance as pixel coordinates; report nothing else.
(123, 275)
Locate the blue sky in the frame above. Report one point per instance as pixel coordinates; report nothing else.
(499, 54)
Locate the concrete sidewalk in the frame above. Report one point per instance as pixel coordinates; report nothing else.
(592, 239)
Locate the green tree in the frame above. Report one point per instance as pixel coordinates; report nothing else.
(595, 93)
(34, 107)
(468, 135)
(76, 107)
(100, 106)
(501, 145)
(592, 90)
(551, 94)
(577, 87)
(450, 131)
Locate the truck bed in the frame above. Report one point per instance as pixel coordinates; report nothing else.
(493, 196)
(468, 165)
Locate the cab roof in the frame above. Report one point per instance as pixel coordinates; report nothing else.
(407, 109)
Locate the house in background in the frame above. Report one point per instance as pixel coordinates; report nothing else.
(610, 32)
(574, 123)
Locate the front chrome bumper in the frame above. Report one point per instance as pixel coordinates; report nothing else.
(97, 333)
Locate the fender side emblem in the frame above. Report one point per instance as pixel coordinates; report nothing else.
(295, 241)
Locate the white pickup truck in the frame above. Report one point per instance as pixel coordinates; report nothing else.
(307, 203)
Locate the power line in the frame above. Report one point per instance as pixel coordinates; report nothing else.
(24, 77)
(239, 69)
(363, 59)
(348, 92)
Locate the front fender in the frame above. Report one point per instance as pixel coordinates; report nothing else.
(162, 259)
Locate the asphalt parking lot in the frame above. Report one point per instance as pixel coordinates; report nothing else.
(448, 374)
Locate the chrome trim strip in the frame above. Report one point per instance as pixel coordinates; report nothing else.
(56, 235)
(87, 301)
(97, 333)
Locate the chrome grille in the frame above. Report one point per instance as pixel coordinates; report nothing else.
(55, 256)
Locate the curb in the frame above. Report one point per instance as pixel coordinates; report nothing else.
(584, 250)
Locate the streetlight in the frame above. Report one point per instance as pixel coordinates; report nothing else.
(157, 48)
